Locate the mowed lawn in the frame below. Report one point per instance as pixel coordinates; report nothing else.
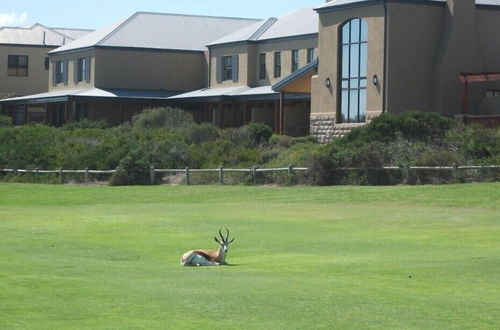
(421, 257)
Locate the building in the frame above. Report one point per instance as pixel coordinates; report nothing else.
(24, 68)
(393, 56)
(115, 72)
(316, 71)
(246, 64)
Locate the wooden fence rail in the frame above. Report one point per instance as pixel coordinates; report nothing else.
(406, 170)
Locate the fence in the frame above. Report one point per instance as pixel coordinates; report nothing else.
(221, 171)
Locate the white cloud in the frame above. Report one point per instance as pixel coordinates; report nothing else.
(9, 19)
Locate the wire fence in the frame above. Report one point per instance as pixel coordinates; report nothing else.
(221, 173)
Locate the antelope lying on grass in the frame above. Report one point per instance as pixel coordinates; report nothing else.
(208, 257)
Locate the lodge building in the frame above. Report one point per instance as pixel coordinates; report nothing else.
(319, 71)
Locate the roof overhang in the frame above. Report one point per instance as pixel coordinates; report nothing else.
(91, 94)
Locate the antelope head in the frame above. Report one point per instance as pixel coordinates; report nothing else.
(223, 245)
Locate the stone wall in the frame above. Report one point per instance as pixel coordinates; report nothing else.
(324, 128)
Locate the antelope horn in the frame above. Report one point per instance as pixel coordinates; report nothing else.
(227, 237)
(220, 233)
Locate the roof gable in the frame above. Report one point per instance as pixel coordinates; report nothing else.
(297, 23)
(161, 31)
(38, 35)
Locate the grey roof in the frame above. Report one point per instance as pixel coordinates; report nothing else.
(347, 3)
(226, 92)
(72, 33)
(114, 93)
(161, 31)
(38, 35)
(297, 23)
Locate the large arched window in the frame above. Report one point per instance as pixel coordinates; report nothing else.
(354, 62)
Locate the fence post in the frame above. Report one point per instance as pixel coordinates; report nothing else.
(406, 173)
(152, 175)
(254, 171)
(60, 176)
(86, 175)
(187, 176)
(455, 172)
(221, 174)
(36, 173)
(290, 170)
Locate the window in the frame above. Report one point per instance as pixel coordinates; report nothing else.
(295, 60)
(277, 64)
(46, 63)
(354, 56)
(82, 72)
(262, 67)
(227, 68)
(492, 94)
(60, 73)
(311, 55)
(17, 65)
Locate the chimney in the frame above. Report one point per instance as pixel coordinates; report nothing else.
(459, 52)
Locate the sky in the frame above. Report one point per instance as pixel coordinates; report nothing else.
(94, 14)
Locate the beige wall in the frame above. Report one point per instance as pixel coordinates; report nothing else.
(243, 65)
(166, 70)
(249, 61)
(324, 100)
(37, 79)
(72, 59)
(414, 38)
(286, 47)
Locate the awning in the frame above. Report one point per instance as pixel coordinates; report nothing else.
(90, 93)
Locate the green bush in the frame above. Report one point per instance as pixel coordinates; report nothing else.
(86, 124)
(167, 118)
(259, 133)
(5, 121)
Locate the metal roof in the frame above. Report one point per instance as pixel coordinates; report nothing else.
(347, 3)
(161, 31)
(38, 35)
(216, 94)
(64, 95)
(297, 23)
(72, 33)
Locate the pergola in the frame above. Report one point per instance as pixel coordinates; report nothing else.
(467, 78)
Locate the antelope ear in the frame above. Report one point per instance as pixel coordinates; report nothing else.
(215, 238)
(231, 241)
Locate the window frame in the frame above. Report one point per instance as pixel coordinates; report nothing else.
(295, 60)
(82, 69)
(352, 85)
(15, 68)
(311, 55)
(227, 68)
(277, 64)
(262, 66)
(59, 72)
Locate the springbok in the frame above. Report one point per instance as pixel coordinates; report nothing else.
(208, 257)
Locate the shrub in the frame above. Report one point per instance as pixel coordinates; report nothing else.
(168, 118)
(204, 132)
(86, 124)
(5, 121)
(259, 133)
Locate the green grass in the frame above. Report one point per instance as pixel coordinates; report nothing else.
(425, 257)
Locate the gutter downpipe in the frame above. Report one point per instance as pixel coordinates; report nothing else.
(209, 68)
(386, 23)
